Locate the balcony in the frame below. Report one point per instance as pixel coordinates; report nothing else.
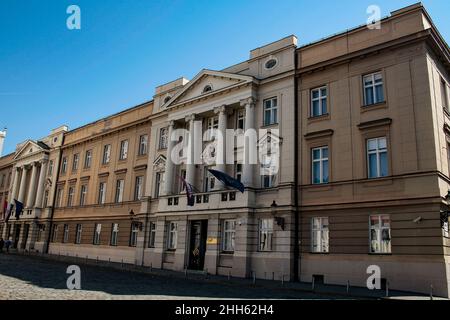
(221, 199)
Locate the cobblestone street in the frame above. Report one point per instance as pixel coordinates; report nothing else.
(31, 277)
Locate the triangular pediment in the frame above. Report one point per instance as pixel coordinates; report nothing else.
(206, 83)
(160, 163)
(29, 147)
(269, 138)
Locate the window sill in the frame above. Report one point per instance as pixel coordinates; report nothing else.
(322, 117)
(227, 253)
(319, 253)
(380, 254)
(268, 126)
(374, 106)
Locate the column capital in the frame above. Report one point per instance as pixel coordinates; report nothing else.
(171, 123)
(43, 161)
(250, 101)
(220, 109)
(190, 117)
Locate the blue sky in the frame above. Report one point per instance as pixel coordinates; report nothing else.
(50, 75)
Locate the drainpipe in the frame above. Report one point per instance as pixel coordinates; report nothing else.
(296, 166)
(47, 246)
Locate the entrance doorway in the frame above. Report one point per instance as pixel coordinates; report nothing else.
(16, 235)
(26, 230)
(197, 244)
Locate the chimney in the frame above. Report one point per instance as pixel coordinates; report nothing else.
(2, 139)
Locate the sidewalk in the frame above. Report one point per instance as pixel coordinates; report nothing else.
(333, 291)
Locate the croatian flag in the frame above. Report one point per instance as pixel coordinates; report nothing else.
(189, 192)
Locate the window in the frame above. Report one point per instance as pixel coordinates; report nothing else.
(55, 233)
(270, 64)
(134, 234)
(106, 154)
(119, 190)
(207, 88)
(209, 180)
(265, 234)
(240, 119)
(83, 194)
(320, 165)
(152, 236)
(444, 95)
(159, 183)
(377, 162)
(114, 234)
(123, 150)
(143, 143)
(238, 171)
(268, 181)
(380, 234)
(167, 99)
(268, 174)
(229, 233)
(50, 167)
(59, 197)
(88, 159)
(44, 205)
(319, 102)
(70, 196)
(78, 234)
(97, 231)
(66, 233)
(270, 111)
(64, 165)
(101, 193)
(2, 184)
(163, 138)
(138, 188)
(173, 235)
(76, 160)
(373, 88)
(319, 234)
(212, 124)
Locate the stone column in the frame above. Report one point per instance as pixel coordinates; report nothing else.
(32, 187)
(250, 141)
(190, 165)
(221, 143)
(168, 174)
(23, 180)
(14, 185)
(41, 184)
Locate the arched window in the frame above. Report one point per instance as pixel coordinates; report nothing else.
(207, 88)
(166, 99)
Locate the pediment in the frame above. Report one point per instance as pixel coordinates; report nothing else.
(29, 147)
(215, 80)
(160, 163)
(269, 138)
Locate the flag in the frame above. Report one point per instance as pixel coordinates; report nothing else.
(227, 180)
(5, 208)
(19, 208)
(8, 212)
(189, 192)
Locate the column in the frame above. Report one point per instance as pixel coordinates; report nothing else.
(41, 184)
(168, 175)
(190, 163)
(250, 142)
(22, 184)
(221, 143)
(14, 185)
(32, 187)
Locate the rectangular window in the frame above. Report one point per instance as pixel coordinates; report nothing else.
(55, 233)
(270, 111)
(373, 88)
(377, 163)
(229, 233)
(59, 197)
(173, 236)
(114, 234)
(444, 95)
(143, 143)
(78, 234)
(50, 167)
(97, 232)
(212, 124)
(44, 205)
(209, 180)
(134, 234)
(88, 159)
(83, 194)
(123, 150)
(76, 160)
(163, 138)
(265, 234)
(106, 154)
(70, 196)
(119, 190)
(102, 193)
(319, 102)
(238, 171)
(319, 234)
(138, 188)
(267, 172)
(380, 234)
(152, 236)
(319, 165)
(159, 184)
(64, 165)
(240, 119)
(66, 233)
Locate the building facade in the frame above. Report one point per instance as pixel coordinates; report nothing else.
(342, 147)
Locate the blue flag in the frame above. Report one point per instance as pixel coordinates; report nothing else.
(227, 180)
(19, 208)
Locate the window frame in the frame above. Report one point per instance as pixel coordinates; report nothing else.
(320, 230)
(380, 234)
(70, 196)
(88, 159)
(75, 162)
(123, 150)
(172, 236)
(138, 188)
(106, 157)
(78, 231)
(152, 235)
(273, 111)
(319, 99)
(83, 194)
(120, 188)
(143, 145)
(101, 193)
(114, 239)
(264, 230)
(65, 233)
(321, 160)
(97, 234)
(229, 234)
(373, 86)
(377, 152)
(163, 140)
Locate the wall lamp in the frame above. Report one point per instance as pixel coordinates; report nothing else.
(278, 220)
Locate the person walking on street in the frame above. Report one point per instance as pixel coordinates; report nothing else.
(8, 244)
